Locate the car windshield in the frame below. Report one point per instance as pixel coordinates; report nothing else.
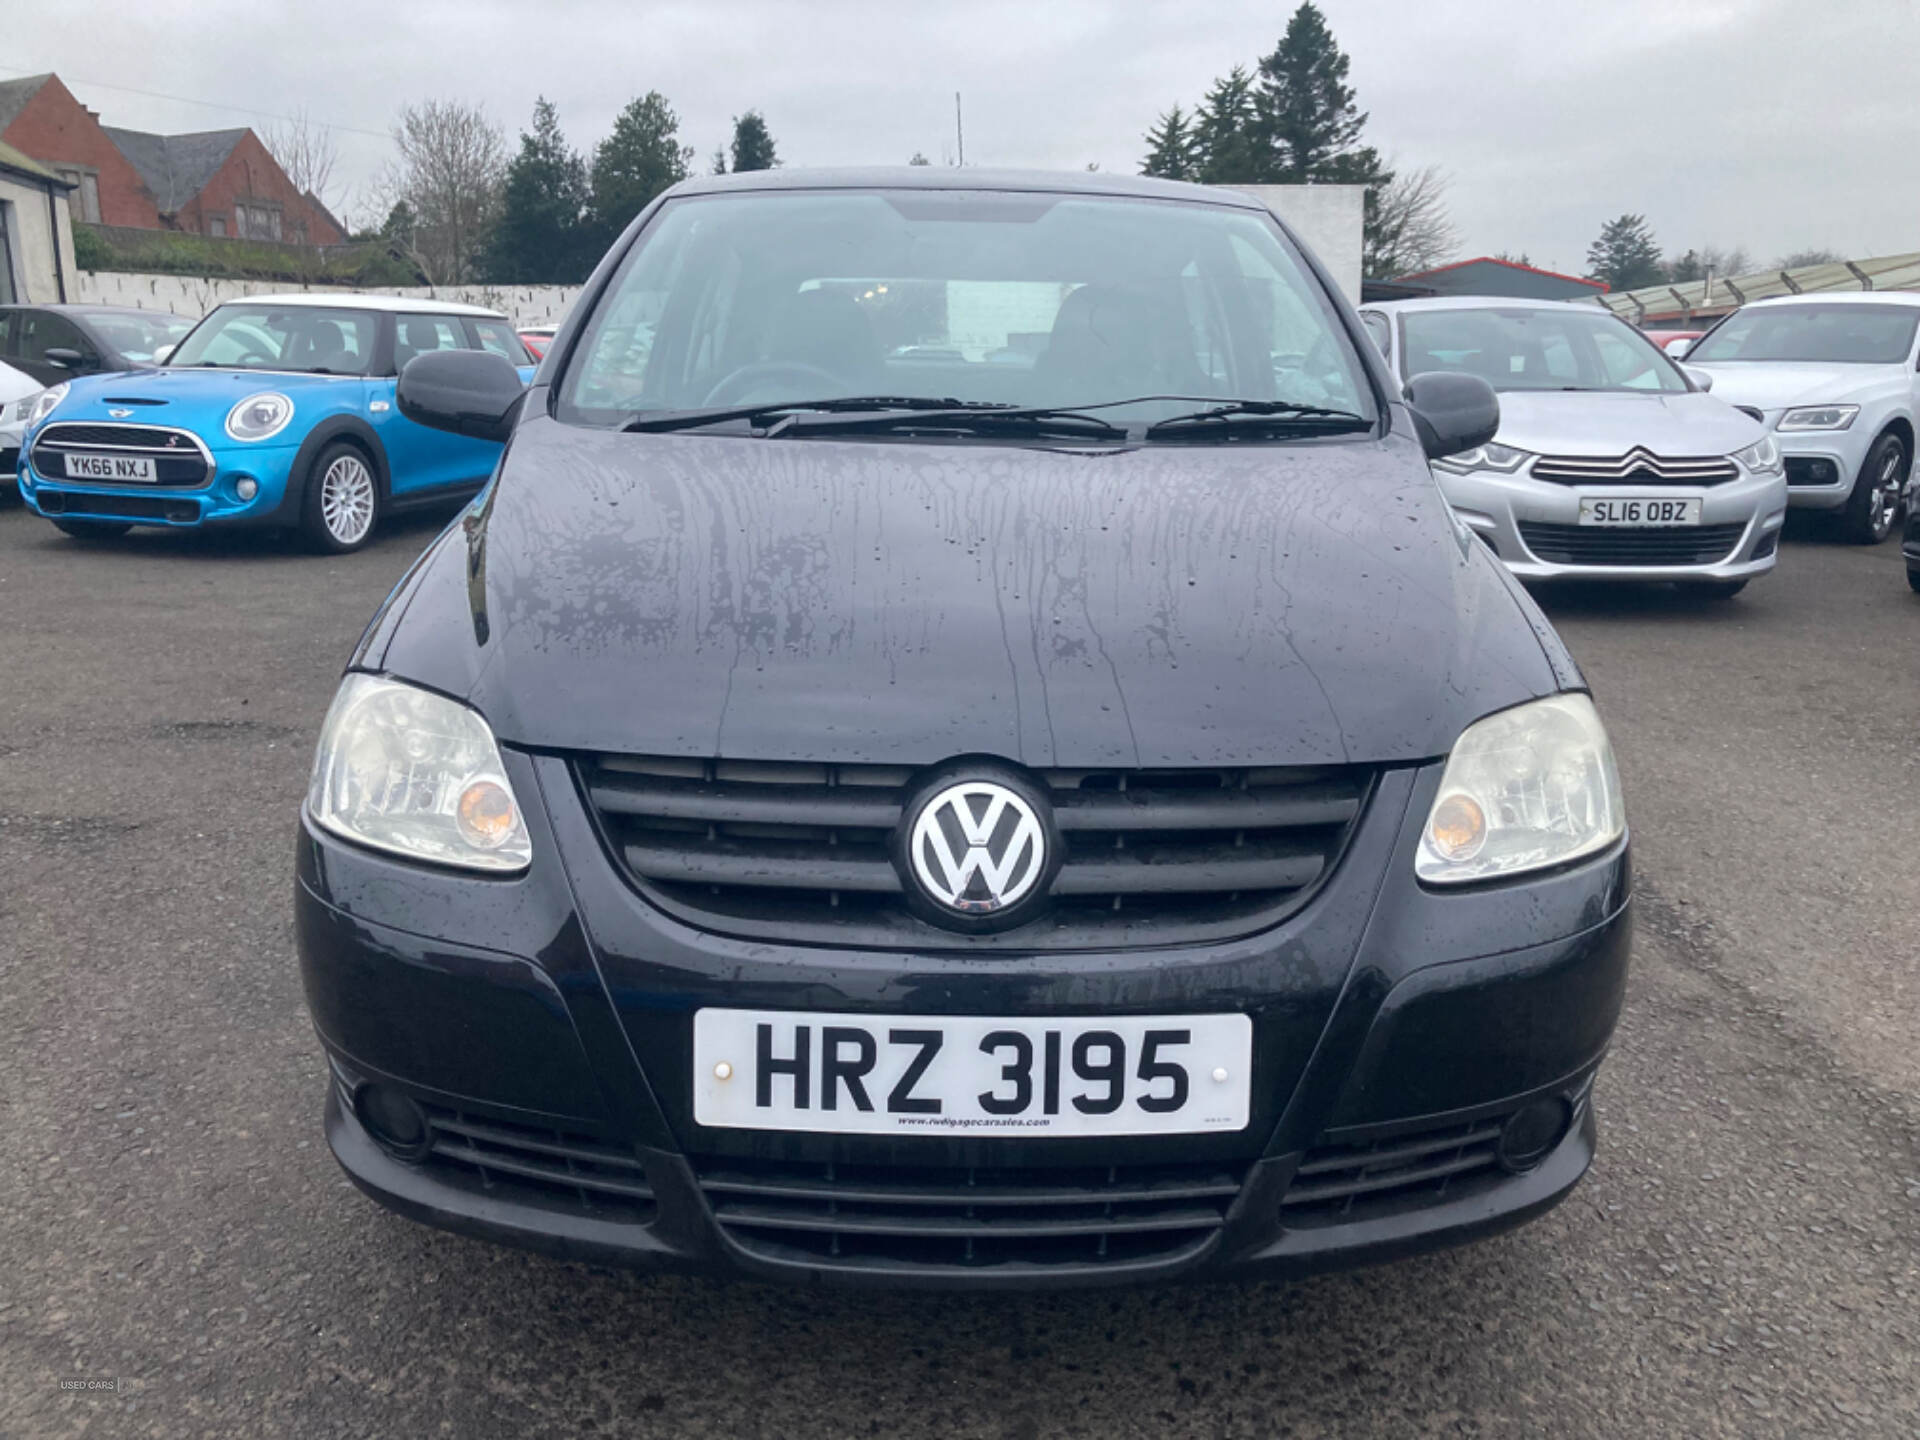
(1827, 334)
(982, 297)
(138, 337)
(282, 337)
(1516, 348)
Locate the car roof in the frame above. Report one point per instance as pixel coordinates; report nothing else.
(1843, 297)
(1481, 302)
(85, 310)
(947, 177)
(411, 305)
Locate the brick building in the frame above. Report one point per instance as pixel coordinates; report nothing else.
(215, 182)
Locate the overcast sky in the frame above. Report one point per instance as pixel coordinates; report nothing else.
(1773, 124)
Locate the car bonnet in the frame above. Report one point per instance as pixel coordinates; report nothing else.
(904, 603)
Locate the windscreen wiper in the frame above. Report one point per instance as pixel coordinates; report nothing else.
(867, 414)
(1239, 415)
(668, 420)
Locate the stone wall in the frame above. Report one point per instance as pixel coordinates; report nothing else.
(192, 297)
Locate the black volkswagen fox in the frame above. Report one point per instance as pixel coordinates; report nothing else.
(961, 747)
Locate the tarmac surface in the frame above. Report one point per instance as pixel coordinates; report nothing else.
(1744, 1258)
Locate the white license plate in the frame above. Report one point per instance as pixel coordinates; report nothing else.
(109, 467)
(971, 1074)
(1625, 510)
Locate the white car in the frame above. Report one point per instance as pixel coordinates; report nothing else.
(16, 401)
(1833, 377)
(1611, 463)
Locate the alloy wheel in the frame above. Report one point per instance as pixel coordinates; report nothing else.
(1884, 505)
(346, 500)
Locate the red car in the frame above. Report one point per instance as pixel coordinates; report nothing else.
(1663, 338)
(537, 337)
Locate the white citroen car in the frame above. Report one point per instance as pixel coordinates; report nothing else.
(17, 390)
(1834, 378)
(1611, 461)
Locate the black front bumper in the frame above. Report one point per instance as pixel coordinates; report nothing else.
(545, 1025)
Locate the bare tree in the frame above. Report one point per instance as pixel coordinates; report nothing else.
(306, 150)
(452, 164)
(1408, 228)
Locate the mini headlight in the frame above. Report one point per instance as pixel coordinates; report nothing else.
(1503, 459)
(44, 404)
(259, 417)
(1818, 417)
(1528, 788)
(405, 770)
(1762, 458)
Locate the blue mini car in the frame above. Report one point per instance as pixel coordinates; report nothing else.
(276, 410)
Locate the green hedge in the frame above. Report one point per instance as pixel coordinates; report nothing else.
(172, 252)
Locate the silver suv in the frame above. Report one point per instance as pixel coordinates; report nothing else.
(1611, 461)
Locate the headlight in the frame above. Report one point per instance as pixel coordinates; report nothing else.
(1818, 417)
(1528, 788)
(1502, 458)
(43, 404)
(1763, 458)
(259, 417)
(409, 771)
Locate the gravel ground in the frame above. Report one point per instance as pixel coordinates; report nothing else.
(1743, 1260)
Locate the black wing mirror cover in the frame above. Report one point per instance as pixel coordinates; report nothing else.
(1452, 412)
(465, 392)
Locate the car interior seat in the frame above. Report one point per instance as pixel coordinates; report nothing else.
(828, 330)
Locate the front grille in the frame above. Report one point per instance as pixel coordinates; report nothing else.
(959, 1218)
(1604, 545)
(176, 455)
(1636, 467)
(119, 507)
(1346, 1184)
(803, 851)
(535, 1166)
(1808, 470)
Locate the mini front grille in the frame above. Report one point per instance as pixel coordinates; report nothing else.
(970, 1219)
(538, 1166)
(1345, 1184)
(178, 458)
(1810, 470)
(1636, 467)
(804, 851)
(1606, 545)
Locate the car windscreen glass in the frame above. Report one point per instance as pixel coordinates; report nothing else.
(986, 298)
(1519, 348)
(273, 337)
(1823, 334)
(137, 337)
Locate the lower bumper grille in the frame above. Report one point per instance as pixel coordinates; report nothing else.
(1600, 545)
(547, 1168)
(801, 852)
(959, 1219)
(1344, 1184)
(1811, 470)
(120, 507)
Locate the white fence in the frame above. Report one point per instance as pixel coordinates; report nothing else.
(192, 297)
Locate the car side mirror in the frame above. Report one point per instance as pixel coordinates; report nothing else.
(161, 355)
(467, 392)
(1678, 347)
(65, 358)
(1700, 378)
(1452, 412)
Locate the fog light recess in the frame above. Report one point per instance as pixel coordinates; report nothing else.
(1529, 1137)
(393, 1120)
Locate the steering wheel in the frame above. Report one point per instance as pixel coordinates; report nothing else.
(246, 355)
(737, 387)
